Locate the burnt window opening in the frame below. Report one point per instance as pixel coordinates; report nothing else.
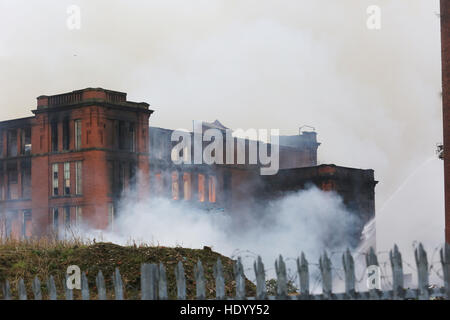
(66, 135)
(25, 167)
(121, 184)
(132, 138)
(175, 186)
(111, 216)
(54, 136)
(26, 141)
(201, 188)
(187, 186)
(132, 176)
(55, 178)
(122, 135)
(12, 143)
(13, 179)
(78, 177)
(212, 183)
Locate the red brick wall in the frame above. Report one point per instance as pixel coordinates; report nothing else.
(445, 40)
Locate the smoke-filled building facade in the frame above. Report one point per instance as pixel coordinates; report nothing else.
(81, 152)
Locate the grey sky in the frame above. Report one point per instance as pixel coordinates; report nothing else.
(373, 96)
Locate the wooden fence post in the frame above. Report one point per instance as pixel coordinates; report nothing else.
(303, 273)
(445, 261)
(52, 288)
(84, 287)
(280, 268)
(118, 285)
(260, 274)
(422, 270)
(162, 283)
(181, 281)
(101, 288)
(372, 260)
(238, 270)
(7, 290)
(68, 292)
(149, 281)
(220, 281)
(36, 287)
(325, 270)
(397, 273)
(349, 268)
(22, 290)
(200, 281)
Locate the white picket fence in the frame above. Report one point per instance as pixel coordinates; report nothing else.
(154, 281)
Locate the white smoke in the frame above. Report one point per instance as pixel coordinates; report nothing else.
(310, 221)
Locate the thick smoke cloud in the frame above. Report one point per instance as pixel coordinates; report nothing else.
(373, 96)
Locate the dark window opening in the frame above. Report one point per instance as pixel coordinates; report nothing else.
(13, 178)
(26, 224)
(54, 134)
(12, 143)
(26, 179)
(122, 136)
(66, 135)
(67, 217)
(55, 219)
(26, 141)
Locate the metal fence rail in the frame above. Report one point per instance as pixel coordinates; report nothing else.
(154, 281)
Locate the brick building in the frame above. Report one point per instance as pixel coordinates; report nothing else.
(445, 44)
(70, 161)
(81, 152)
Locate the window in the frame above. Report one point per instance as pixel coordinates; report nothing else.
(132, 137)
(201, 188)
(12, 143)
(54, 134)
(26, 141)
(111, 177)
(55, 219)
(175, 186)
(25, 167)
(26, 224)
(55, 179)
(212, 188)
(1, 143)
(122, 135)
(79, 177)
(66, 135)
(66, 178)
(132, 176)
(187, 186)
(13, 177)
(121, 186)
(77, 134)
(67, 217)
(79, 215)
(111, 216)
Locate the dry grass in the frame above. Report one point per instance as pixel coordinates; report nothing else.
(45, 257)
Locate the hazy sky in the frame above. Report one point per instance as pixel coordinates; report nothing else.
(374, 96)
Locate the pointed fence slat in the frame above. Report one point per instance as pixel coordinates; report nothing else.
(200, 281)
(22, 290)
(372, 260)
(239, 276)
(36, 287)
(67, 292)
(325, 271)
(84, 287)
(397, 273)
(303, 273)
(280, 268)
(118, 285)
(220, 281)
(149, 281)
(260, 274)
(101, 288)
(162, 283)
(349, 268)
(7, 290)
(422, 272)
(181, 281)
(52, 294)
(445, 261)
